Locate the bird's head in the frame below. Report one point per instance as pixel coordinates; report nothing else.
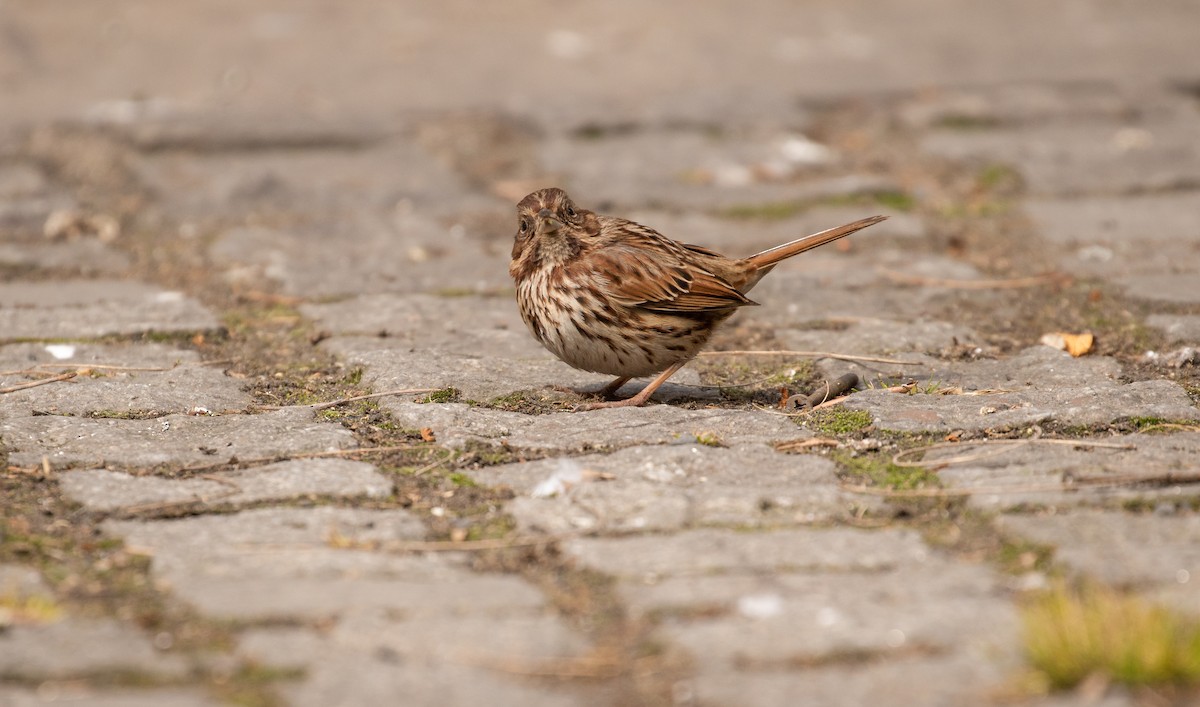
(550, 227)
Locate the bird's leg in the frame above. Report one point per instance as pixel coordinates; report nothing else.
(605, 393)
(609, 391)
(642, 397)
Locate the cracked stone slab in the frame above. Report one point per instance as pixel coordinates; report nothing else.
(1179, 328)
(1159, 154)
(1159, 554)
(174, 439)
(90, 308)
(102, 490)
(711, 551)
(1173, 287)
(826, 285)
(1107, 236)
(285, 563)
(479, 651)
(946, 680)
(1037, 385)
(20, 581)
(353, 246)
(457, 424)
(1034, 474)
(461, 324)
(355, 678)
(783, 617)
(768, 599)
(87, 258)
(676, 486)
(484, 377)
(70, 647)
(880, 336)
(81, 695)
(650, 167)
(1027, 102)
(183, 384)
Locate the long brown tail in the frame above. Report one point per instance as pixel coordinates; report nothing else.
(771, 256)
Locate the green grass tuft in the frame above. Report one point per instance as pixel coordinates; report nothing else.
(839, 421)
(1071, 634)
(445, 395)
(878, 470)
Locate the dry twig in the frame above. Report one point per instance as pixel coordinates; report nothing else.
(34, 384)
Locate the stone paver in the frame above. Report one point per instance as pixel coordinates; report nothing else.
(1057, 475)
(73, 646)
(1178, 327)
(1155, 552)
(89, 308)
(82, 696)
(1071, 158)
(458, 423)
(102, 490)
(1040, 385)
(169, 381)
(673, 487)
(286, 563)
(473, 649)
(749, 605)
(185, 439)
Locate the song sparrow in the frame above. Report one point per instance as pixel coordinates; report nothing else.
(612, 296)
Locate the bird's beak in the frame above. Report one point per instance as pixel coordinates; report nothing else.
(550, 224)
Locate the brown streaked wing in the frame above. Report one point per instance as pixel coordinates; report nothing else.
(661, 278)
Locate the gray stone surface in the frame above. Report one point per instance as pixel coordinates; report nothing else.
(101, 490)
(1122, 222)
(19, 581)
(88, 308)
(881, 336)
(894, 683)
(710, 552)
(174, 439)
(1159, 553)
(745, 602)
(458, 324)
(79, 646)
(285, 563)
(475, 649)
(353, 678)
(79, 695)
(1174, 287)
(1048, 473)
(182, 384)
(1039, 385)
(1179, 328)
(88, 258)
(673, 487)
(1069, 158)
(456, 424)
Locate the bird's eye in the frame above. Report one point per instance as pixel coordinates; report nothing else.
(524, 225)
(570, 211)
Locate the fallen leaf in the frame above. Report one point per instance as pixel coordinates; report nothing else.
(427, 434)
(1074, 344)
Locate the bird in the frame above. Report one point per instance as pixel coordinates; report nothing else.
(609, 295)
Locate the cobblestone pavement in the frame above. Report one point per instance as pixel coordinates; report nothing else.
(213, 218)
